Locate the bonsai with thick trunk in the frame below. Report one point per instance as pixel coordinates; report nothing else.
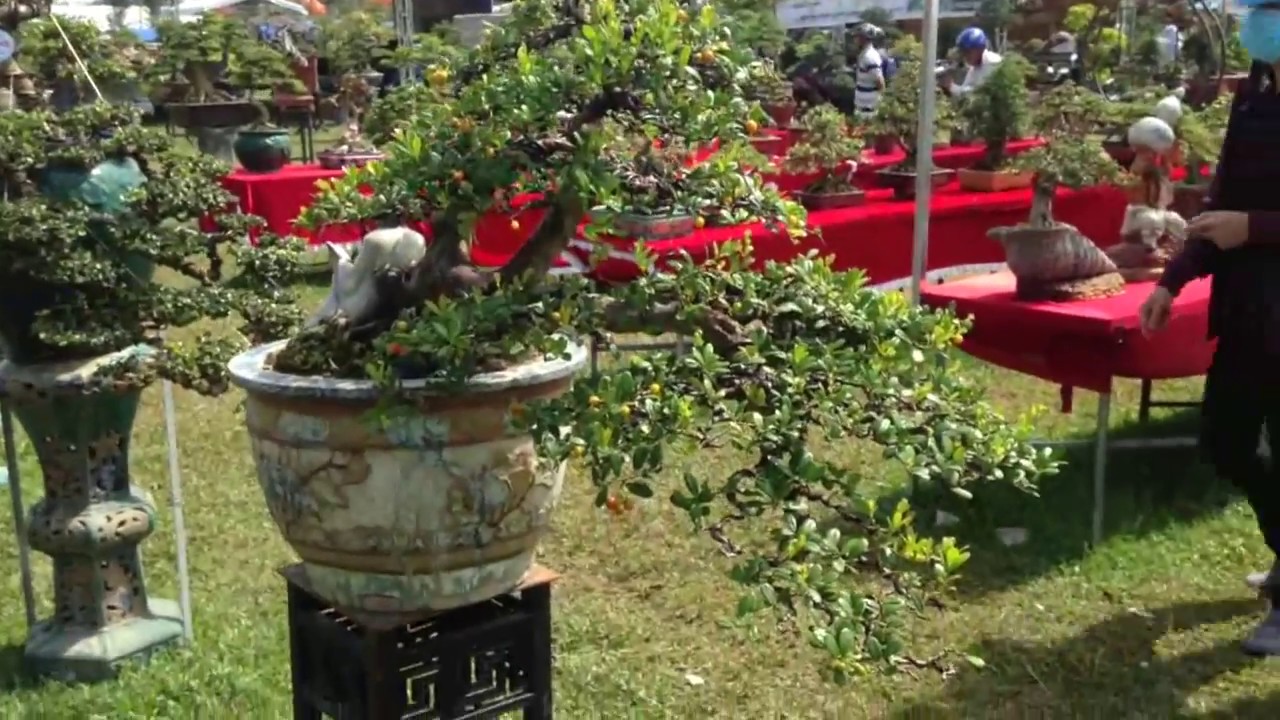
(553, 100)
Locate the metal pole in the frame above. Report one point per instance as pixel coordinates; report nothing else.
(179, 520)
(924, 148)
(19, 515)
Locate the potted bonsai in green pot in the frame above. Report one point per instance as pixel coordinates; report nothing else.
(898, 116)
(477, 375)
(94, 203)
(830, 149)
(998, 111)
(1053, 260)
(257, 67)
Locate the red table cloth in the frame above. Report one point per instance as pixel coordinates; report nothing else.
(877, 237)
(1084, 343)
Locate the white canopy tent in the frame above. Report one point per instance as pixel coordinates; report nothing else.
(134, 17)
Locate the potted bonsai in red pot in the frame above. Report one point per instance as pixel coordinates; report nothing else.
(830, 150)
(1200, 134)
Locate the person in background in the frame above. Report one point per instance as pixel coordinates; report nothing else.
(1169, 41)
(869, 74)
(1237, 243)
(972, 44)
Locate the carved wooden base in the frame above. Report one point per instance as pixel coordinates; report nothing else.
(1100, 286)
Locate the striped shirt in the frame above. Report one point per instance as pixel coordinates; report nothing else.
(867, 76)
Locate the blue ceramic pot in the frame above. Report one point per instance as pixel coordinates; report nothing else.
(263, 150)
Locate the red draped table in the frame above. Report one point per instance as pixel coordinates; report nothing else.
(877, 237)
(1080, 344)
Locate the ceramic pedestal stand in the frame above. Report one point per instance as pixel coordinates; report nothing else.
(90, 521)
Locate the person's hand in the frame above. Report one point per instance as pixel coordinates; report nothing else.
(1223, 228)
(1155, 310)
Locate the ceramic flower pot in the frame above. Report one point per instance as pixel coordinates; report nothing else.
(333, 160)
(262, 150)
(987, 181)
(769, 145)
(90, 520)
(1050, 254)
(434, 510)
(903, 182)
(831, 200)
(782, 113)
(645, 227)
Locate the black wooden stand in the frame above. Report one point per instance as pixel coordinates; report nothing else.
(479, 661)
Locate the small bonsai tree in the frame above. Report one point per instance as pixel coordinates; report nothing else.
(1200, 134)
(780, 356)
(898, 114)
(76, 287)
(111, 59)
(257, 66)
(829, 145)
(1067, 118)
(1000, 110)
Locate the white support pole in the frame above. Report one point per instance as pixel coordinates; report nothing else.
(924, 148)
(19, 516)
(402, 15)
(179, 519)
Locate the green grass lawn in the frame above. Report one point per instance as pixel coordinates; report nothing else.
(1146, 626)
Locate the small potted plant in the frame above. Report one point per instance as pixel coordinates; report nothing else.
(94, 205)
(830, 149)
(258, 67)
(898, 116)
(1200, 134)
(998, 111)
(353, 45)
(774, 93)
(652, 200)
(1053, 260)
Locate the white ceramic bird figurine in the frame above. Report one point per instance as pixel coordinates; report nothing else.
(353, 293)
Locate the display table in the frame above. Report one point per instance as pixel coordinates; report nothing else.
(877, 237)
(1080, 344)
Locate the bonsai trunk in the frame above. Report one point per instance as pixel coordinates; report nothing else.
(993, 154)
(1042, 204)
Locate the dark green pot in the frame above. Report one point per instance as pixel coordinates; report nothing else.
(103, 188)
(264, 150)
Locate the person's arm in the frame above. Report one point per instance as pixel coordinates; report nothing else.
(1196, 260)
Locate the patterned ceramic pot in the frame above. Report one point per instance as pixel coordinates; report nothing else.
(1051, 254)
(437, 510)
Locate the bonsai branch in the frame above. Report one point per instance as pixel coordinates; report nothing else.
(724, 333)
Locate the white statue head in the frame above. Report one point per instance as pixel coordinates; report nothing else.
(1153, 134)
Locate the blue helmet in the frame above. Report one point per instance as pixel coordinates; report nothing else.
(972, 38)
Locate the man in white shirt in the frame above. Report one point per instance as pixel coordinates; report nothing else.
(1169, 43)
(972, 44)
(868, 69)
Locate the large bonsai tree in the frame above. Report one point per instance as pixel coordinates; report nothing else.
(783, 360)
(1068, 119)
(77, 266)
